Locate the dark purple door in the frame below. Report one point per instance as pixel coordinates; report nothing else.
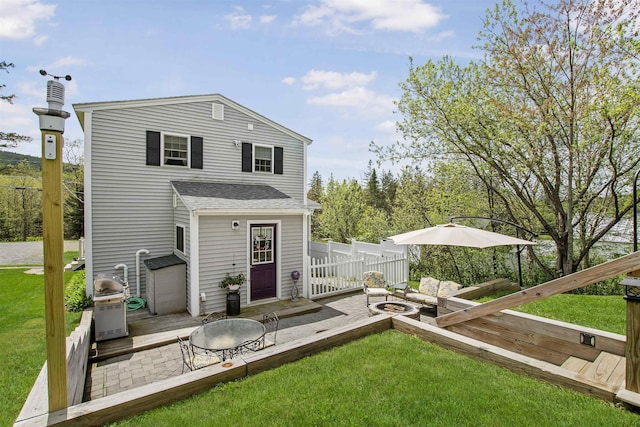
(263, 264)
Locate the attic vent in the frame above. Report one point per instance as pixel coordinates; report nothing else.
(217, 111)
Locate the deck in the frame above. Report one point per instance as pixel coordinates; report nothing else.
(133, 372)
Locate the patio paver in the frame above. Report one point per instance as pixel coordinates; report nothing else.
(124, 372)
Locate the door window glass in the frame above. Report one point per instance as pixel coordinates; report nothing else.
(262, 245)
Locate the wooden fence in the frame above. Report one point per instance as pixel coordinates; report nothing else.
(78, 345)
(331, 276)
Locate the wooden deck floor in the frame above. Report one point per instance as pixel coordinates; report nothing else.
(148, 331)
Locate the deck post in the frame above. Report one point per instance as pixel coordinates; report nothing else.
(632, 352)
(52, 127)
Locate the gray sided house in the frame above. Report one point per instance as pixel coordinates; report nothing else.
(200, 178)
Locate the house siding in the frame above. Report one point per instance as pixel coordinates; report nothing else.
(221, 247)
(131, 203)
(181, 217)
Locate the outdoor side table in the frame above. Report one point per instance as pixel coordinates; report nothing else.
(227, 337)
(398, 287)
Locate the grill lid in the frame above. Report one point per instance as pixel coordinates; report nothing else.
(105, 285)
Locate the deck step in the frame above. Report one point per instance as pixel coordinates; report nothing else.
(576, 364)
(607, 369)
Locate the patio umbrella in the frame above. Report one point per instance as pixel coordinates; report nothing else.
(460, 235)
(457, 235)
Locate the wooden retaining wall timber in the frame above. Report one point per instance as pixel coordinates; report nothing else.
(78, 345)
(513, 361)
(545, 339)
(135, 401)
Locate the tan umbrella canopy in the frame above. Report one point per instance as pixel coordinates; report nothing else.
(457, 235)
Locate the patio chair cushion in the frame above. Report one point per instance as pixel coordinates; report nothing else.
(429, 286)
(422, 298)
(447, 288)
(377, 292)
(430, 289)
(374, 279)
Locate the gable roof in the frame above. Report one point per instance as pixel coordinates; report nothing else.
(82, 108)
(218, 196)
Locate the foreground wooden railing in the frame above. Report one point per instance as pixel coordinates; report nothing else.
(623, 265)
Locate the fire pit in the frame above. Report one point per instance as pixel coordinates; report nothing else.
(394, 308)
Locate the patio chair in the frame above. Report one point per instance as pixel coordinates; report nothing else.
(374, 285)
(271, 322)
(212, 317)
(195, 361)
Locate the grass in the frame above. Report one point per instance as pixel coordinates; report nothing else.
(22, 333)
(388, 379)
(607, 313)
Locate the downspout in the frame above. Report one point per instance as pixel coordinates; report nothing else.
(140, 251)
(125, 277)
(125, 272)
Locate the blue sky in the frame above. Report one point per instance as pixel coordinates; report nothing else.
(327, 69)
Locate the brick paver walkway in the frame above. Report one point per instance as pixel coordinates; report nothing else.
(133, 370)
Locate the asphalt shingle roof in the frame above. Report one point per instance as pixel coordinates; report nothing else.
(217, 195)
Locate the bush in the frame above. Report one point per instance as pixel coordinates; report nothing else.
(606, 287)
(75, 296)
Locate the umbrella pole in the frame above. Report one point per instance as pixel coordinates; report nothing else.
(519, 266)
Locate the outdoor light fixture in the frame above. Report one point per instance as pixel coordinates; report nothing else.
(631, 288)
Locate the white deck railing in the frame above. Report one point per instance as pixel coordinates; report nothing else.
(330, 276)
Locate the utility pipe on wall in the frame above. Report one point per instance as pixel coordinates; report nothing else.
(140, 251)
(125, 271)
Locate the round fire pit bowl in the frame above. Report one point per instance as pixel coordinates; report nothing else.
(395, 308)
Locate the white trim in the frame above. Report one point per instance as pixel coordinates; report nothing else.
(281, 212)
(278, 257)
(253, 158)
(194, 265)
(305, 255)
(178, 135)
(88, 202)
(114, 105)
(304, 174)
(175, 237)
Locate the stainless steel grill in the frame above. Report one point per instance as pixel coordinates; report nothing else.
(110, 307)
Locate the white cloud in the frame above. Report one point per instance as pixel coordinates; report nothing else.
(32, 88)
(239, 20)
(443, 36)
(333, 80)
(18, 18)
(289, 80)
(398, 15)
(68, 61)
(388, 127)
(267, 19)
(359, 98)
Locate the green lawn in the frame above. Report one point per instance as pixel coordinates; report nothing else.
(607, 313)
(391, 379)
(22, 334)
(388, 379)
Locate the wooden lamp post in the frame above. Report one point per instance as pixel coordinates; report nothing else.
(52, 127)
(632, 295)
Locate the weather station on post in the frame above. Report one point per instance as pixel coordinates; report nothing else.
(52, 127)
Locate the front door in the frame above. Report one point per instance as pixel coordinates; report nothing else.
(263, 261)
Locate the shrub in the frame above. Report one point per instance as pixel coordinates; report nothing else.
(75, 296)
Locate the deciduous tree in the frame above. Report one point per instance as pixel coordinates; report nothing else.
(548, 120)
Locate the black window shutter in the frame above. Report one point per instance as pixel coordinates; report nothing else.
(153, 148)
(247, 157)
(196, 152)
(277, 160)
